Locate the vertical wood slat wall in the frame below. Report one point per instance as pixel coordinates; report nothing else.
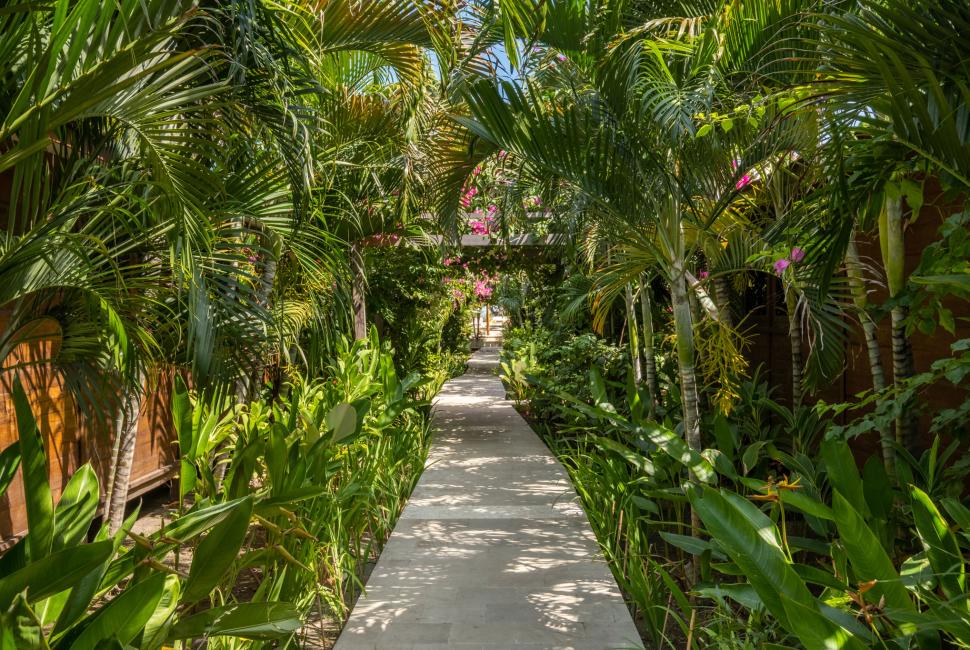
(70, 443)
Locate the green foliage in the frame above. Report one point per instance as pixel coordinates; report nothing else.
(812, 547)
(416, 311)
(312, 485)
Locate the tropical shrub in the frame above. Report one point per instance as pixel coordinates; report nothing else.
(289, 499)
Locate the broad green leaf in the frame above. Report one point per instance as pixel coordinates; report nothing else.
(867, 556)
(124, 616)
(675, 447)
(806, 504)
(916, 572)
(182, 417)
(814, 630)
(342, 421)
(54, 573)
(37, 489)
(20, 629)
(764, 564)
(160, 622)
(941, 545)
(216, 553)
(751, 455)
(76, 508)
(186, 527)
(257, 621)
(959, 513)
(692, 545)
(637, 460)
(9, 463)
(747, 536)
(743, 594)
(843, 473)
(85, 588)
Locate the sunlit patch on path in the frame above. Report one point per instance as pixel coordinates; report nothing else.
(493, 550)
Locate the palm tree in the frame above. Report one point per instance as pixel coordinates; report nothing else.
(173, 186)
(619, 118)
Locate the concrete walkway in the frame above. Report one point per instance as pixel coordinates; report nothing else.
(493, 550)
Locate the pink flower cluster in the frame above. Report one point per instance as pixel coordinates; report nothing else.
(483, 286)
(467, 196)
(483, 225)
(533, 202)
(744, 181)
(794, 257)
(482, 289)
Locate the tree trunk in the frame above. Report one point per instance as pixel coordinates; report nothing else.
(358, 291)
(649, 357)
(795, 339)
(126, 433)
(684, 327)
(853, 269)
(893, 247)
(722, 296)
(906, 425)
(631, 319)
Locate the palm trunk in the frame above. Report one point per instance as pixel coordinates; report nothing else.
(683, 324)
(631, 319)
(358, 291)
(894, 256)
(126, 433)
(722, 296)
(649, 357)
(795, 339)
(853, 269)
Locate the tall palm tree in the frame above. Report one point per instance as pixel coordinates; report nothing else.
(619, 115)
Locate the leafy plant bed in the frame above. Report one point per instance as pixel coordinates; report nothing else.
(311, 488)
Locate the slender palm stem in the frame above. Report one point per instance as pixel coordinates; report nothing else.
(631, 319)
(649, 356)
(893, 245)
(853, 267)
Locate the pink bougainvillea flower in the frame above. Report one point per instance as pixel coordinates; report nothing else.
(477, 171)
(472, 191)
(743, 182)
(560, 57)
(797, 254)
(482, 289)
(465, 201)
(492, 208)
(503, 154)
(703, 275)
(781, 265)
(457, 294)
(448, 261)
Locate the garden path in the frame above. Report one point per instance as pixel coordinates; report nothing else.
(493, 550)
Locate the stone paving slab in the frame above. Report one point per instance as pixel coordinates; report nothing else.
(493, 550)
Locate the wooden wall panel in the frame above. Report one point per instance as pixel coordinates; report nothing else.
(70, 442)
(769, 329)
